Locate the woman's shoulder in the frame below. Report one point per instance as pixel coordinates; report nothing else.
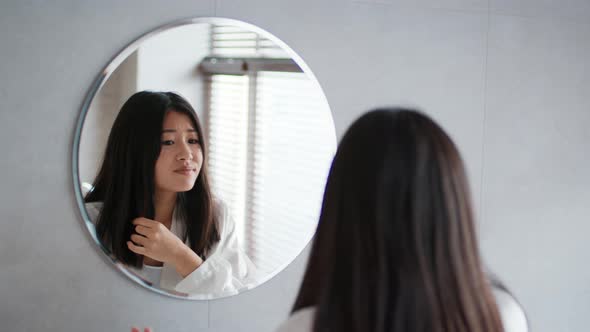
(299, 321)
(93, 210)
(219, 206)
(225, 222)
(511, 312)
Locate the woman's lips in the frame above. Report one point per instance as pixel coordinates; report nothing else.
(185, 171)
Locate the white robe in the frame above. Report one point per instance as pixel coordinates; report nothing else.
(226, 271)
(511, 314)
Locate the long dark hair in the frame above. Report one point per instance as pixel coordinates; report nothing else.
(125, 183)
(395, 248)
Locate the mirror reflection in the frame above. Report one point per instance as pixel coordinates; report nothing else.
(202, 158)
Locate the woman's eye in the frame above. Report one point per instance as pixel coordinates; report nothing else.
(193, 141)
(168, 142)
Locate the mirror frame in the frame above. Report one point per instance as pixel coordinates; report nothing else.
(95, 87)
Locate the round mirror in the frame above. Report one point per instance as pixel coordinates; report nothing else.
(200, 158)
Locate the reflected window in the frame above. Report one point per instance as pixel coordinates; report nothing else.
(262, 112)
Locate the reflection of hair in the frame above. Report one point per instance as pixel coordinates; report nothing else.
(125, 183)
(395, 248)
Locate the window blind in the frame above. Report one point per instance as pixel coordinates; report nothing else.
(295, 142)
(271, 141)
(227, 124)
(235, 41)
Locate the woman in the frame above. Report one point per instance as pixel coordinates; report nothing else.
(395, 248)
(152, 204)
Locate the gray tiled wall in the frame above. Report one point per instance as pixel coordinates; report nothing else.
(510, 80)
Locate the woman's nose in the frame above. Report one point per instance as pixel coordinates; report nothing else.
(185, 152)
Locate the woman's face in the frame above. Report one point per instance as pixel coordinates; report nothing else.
(181, 157)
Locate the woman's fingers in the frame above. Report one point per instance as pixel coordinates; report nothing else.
(135, 329)
(136, 249)
(144, 222)
(139, 229)
(138, 239)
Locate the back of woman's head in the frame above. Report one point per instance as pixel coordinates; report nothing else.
(125, 183)
(395, 248)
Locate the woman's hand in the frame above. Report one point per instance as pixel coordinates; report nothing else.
(156, 241)
(135, 329)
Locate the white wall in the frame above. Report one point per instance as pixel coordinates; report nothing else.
(101, 116)
(168, 61)
(508, 79)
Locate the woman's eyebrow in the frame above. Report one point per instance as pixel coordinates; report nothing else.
(191, 130)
